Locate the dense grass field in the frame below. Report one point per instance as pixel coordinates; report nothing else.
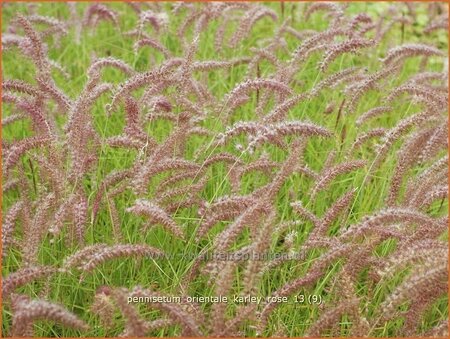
(300, 148)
